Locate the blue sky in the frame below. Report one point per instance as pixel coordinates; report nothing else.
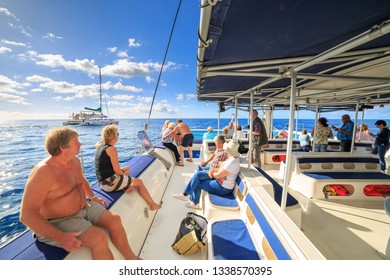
(50, 52)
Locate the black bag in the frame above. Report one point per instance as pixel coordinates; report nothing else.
(191, 236)
(241, 148)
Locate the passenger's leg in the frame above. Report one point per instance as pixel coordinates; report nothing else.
(113, 224)
(144, 193)
(381, 154)
(195, 181)
(96, 240)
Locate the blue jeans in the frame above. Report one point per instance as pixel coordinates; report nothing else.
(204, 168)
(381, 151)
(201, 181)
(320, 147)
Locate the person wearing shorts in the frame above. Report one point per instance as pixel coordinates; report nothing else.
(79, 222)
(186, 139)
(110, 175)
(55, 205)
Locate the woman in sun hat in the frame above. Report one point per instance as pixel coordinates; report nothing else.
(217, 181)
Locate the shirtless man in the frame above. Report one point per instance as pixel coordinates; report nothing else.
(186, 138)
(55, 208)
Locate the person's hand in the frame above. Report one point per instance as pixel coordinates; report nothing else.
(126, 170)
(100, 200)
(70, 242)
(203, 163)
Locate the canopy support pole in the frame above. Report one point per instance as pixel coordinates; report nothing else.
(250, 135)
(354, 127)
(219, 118)
(290, 139)
(315, 125)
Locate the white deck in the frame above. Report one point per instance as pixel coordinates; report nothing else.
(162, 234)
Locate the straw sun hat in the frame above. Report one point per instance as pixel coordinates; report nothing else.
(231, 147)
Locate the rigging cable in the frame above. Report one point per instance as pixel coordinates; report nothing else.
(162, 65)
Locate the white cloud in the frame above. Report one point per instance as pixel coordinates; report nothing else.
(14, 99)
(122, 54)
(5, 50)
(182, 96)
(8, 13)
(149, 79)
(133, 43)
(13, 43)
(51, 36)
(56, 60)
(37, 79)
(128, 69)
(112, 49)
(123, 97)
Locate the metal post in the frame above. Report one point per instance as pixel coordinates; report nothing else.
(315, 125)
(361, 124)
(290, 140)
(236, 116)
(250, 129)
(219, 117)
(354, 127)
(296, 122)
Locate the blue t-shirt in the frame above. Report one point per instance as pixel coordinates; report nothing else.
(304, 140)
(208, 136)
(347, 126)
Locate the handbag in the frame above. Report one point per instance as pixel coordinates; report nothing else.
(191, 236)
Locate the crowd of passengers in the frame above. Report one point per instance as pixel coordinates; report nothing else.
(60, 207)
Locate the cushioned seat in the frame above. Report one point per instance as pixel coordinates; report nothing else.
(195, 154)
(278, 190)
(231, 241)
(227, 201)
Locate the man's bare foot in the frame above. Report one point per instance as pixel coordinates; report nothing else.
(189, 159)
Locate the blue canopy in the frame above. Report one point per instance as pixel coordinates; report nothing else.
(338, 48)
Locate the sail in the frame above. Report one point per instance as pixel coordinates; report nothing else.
(94, 110)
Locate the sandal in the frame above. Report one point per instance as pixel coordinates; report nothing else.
(190, 160)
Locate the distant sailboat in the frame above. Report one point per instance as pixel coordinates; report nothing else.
(90, 116)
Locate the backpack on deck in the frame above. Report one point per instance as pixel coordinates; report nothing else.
(191, 236)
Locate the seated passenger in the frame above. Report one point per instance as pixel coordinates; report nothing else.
(283, 134)
(110, 175)
(217, 157)
(217, 181)
(208, 135)
(230, 130)
(59, 206)
(364, 134)
(225, 132)
(239, 133)
(304, 141)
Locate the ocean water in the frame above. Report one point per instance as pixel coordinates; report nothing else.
(22, 146)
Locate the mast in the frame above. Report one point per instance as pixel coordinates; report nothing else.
(100, 85)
